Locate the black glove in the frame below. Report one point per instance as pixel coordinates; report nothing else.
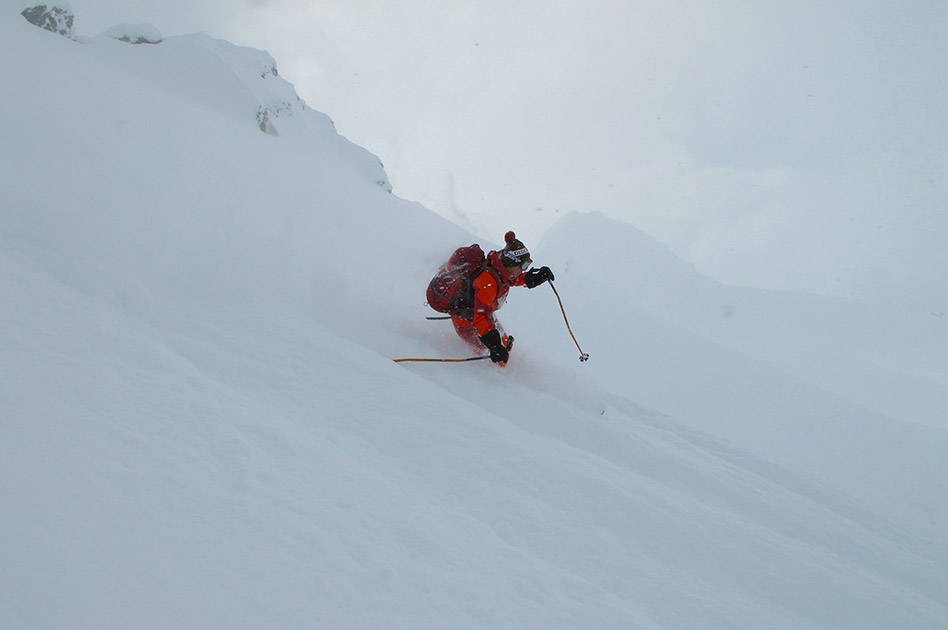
(536, 277)
(498, 353)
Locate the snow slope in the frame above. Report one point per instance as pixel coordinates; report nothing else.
(201, 426)
(772, 372)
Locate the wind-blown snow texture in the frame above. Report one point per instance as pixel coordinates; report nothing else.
(201, 426)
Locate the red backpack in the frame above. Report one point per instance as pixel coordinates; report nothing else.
(452, 289)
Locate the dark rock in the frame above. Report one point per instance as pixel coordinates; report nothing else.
(135, 33)
(52, 18)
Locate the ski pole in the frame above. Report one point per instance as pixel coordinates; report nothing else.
(582, 355)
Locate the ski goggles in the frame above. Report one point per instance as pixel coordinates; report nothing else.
(520, 266)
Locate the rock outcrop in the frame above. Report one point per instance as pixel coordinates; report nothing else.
(135, 33)
(52, 17)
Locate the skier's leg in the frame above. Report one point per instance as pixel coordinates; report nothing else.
(466, 331)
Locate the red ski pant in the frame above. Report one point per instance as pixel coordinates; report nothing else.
(468, 332)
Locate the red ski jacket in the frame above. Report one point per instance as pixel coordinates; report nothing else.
(490, 292)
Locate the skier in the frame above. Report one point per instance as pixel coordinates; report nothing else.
(502, 269)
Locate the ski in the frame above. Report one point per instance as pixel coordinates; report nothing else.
(510, 341)
(444, 360)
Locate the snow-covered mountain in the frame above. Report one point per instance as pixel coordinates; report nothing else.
(202, 286)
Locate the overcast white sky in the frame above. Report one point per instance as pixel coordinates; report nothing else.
(781, 143)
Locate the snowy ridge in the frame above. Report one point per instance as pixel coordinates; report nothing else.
(201, 425)
(854, 348)
(233, 80)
